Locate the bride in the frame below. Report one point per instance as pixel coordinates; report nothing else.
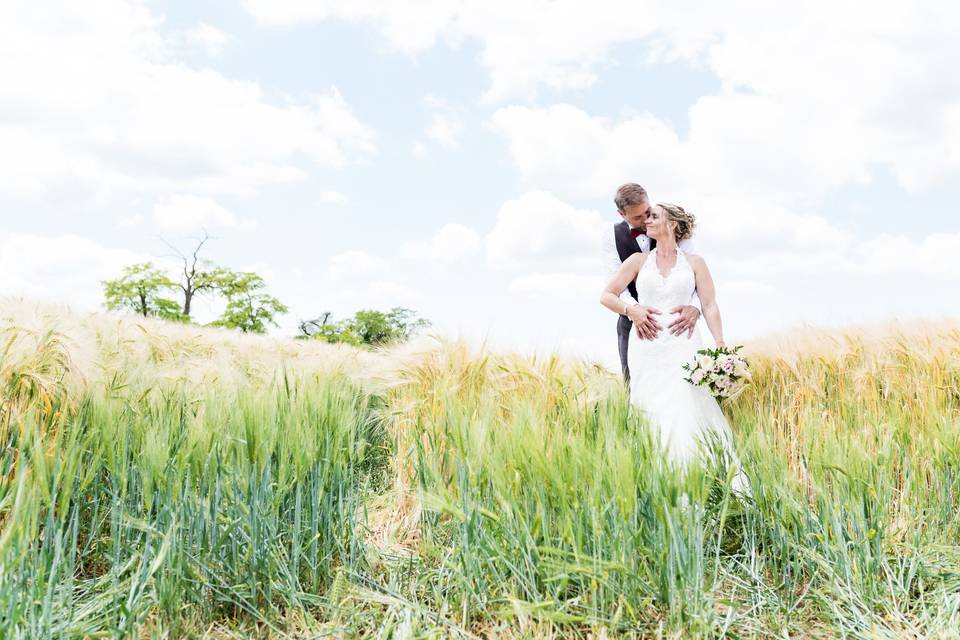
(684, 415)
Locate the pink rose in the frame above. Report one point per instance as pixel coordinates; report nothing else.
(727, 364)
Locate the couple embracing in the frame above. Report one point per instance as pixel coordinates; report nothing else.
(657, 277)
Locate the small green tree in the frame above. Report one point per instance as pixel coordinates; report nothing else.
(373, 327)
(367, 327)
(142, 289)
(405, 321)
(313, 327)
(323, 328)
(248, 307)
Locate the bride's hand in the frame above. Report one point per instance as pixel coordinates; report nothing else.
(721, 344)
(686, 320)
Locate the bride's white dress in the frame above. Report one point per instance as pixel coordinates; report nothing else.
(682, 414)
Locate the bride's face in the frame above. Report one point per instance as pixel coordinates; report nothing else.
(658, 226)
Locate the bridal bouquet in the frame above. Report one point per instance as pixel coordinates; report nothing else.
(724, 371)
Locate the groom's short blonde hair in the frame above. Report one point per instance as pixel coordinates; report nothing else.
(628, 195)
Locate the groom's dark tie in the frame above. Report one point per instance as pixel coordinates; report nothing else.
(635, 232)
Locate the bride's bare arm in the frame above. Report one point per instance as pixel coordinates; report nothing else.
(642, 317)
(708, 298)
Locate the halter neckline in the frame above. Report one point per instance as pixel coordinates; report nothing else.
(653, 253)
(654, 250)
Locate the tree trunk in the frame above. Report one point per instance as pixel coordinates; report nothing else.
(187, 298)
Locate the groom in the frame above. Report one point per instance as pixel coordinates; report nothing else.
(626, 239)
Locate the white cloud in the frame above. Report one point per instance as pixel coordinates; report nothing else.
(383, 294)
(451, 243)
(185, 212)
(539, 228)
(558, 286)
(937, 254)
(760, 205)
(134, 220)
(332, 197)
(344, 301)
(412, 26)
(880, 80)
(743, 288)
(565, 148)
(354, 263)
(65, 268)
(419, 149)
(753, 254)
(736, 145)
(206, 37)
(446, 122)
(262, 268)
(522, 44)
(433, 101)
(445, 130)
(97, 104)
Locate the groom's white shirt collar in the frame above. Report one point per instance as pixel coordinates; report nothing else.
(643, 241)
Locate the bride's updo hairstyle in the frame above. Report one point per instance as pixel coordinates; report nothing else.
(685, 221)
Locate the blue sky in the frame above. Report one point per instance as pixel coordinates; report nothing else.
(460, 158)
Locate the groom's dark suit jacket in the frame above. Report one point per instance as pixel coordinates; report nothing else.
(626, 247)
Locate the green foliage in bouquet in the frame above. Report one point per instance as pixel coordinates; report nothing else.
(722, 370)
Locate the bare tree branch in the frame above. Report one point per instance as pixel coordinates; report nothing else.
(193, 281)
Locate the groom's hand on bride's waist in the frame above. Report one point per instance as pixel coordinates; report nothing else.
(645, 321)
(686, 321)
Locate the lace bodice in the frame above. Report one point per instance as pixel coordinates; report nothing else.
(665, 293)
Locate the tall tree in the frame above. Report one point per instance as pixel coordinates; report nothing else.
(142, 289)
(198, 275)
(248, 307)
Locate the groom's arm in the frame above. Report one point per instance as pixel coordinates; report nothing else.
(612, 262)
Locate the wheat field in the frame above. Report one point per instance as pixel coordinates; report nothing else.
(165, 481)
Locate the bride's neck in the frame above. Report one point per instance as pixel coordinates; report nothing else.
(667, 245)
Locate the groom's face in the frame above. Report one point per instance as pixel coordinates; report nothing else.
(636, 215)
